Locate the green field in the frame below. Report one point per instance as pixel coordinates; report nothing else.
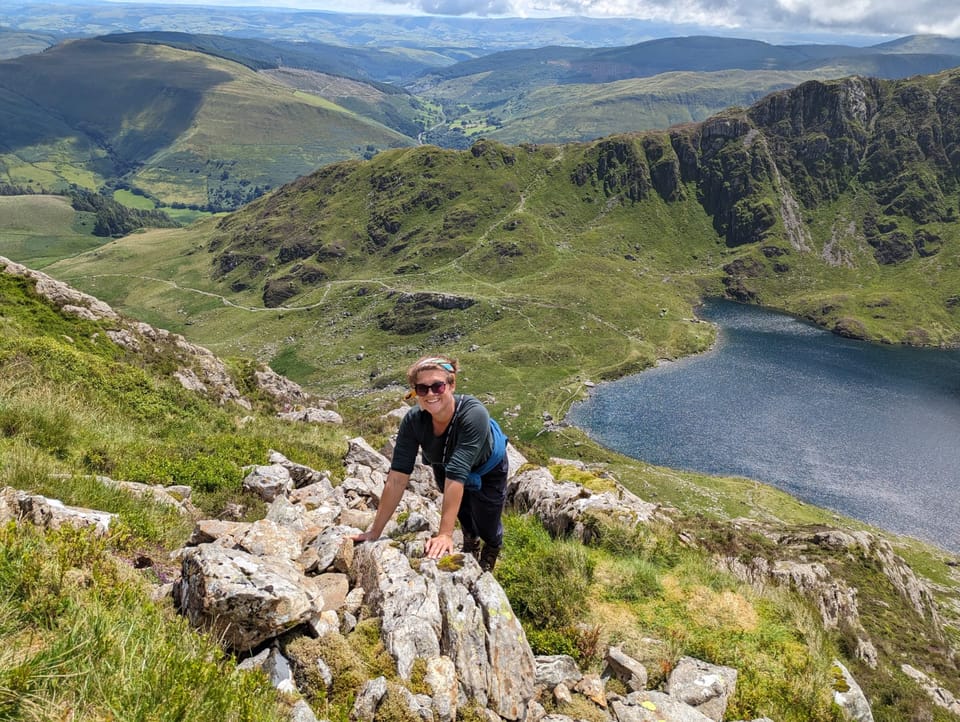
(38, 230)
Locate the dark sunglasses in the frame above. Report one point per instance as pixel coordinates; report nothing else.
(423, 389)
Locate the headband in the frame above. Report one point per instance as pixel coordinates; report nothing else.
(442, 363)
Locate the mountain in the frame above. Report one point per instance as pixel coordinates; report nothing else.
(562, 94)
(183, 126)
(457, 38)
(395, 65)
(186, 119)
(833, 200)
(563, 65)
(14, 43)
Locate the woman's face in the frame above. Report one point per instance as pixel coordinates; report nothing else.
(435, 401)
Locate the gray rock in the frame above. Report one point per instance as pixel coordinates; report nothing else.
(255, 662)
(441, 678)
(334, 547)
(326, 674)
(268, 482)
(210, 530)
(707, 687)
(301, 475)
(405, 601)
(267, 538)
(562, 507)
(511, 661)
(278, 669)
(312, 415)
(301, 712)
(934, 689)
(334, 587)
(852, 701)
(369, 699)
(360, 453)
(625, 668)
(592, 687)
(555, 669)
(348, 622)
(561, 694)
(243, 599)
(653, 706)
(50, 513)
(280, 388)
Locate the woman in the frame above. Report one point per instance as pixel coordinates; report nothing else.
(467, 452)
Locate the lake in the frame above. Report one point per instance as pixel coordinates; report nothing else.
(870, 431)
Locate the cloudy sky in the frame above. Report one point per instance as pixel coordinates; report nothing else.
(868, 17)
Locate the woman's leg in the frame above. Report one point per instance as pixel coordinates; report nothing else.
(483, 510)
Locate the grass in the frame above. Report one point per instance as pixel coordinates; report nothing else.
(644, 590)
(39, 229)
(80, 638)
(217, 132)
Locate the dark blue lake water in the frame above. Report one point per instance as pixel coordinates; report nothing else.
(870, 431)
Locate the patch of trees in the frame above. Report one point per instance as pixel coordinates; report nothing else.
(8, 189)
(116, 219)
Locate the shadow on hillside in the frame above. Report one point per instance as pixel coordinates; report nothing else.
(130, 100)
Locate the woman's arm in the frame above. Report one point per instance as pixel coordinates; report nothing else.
(393, 489)
(442, 543)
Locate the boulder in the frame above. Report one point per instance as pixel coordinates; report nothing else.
(568, 509)
(554, 669)
(625, 668)
(653, 706)
(243, 599)
(50, 513)
(850, 697)
(703, 686)
(268, 482)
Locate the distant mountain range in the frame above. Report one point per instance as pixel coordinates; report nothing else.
(212, 121)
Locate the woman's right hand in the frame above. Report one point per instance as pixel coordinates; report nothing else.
(366, 536)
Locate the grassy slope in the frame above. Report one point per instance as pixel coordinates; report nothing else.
(216, 117)
(578, 111)
(42, 229)
(78, 628)
(70, 402)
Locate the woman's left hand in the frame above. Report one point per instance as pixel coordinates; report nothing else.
(439, 545)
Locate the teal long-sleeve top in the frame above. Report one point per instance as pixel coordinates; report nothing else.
(466, 444)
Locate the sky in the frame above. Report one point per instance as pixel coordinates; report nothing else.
(868, 17)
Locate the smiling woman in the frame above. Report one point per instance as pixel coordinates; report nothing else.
(467, 451)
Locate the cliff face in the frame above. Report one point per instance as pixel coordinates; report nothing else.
(895, 140)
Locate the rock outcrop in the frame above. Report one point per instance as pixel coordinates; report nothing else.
(446, 625)
(197, 368)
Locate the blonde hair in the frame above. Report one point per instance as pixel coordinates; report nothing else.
(444, 363)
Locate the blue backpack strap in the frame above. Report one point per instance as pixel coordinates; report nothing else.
(496, 456)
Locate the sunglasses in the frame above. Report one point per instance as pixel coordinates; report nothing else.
(423, 389)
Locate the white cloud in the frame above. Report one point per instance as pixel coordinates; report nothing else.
(863, 16)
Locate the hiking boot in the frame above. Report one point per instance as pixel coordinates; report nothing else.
(488, 557)
(471, 546)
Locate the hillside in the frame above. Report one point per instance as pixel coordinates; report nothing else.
(834, 200)
(90, 397)
(395, 65)
(562, 94)
(580, 112)
(208, 122)
(184, 127)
